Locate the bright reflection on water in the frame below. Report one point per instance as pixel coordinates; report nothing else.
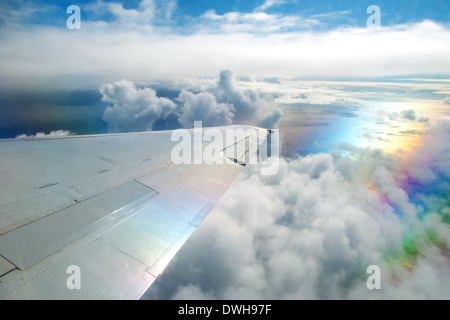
(391, 126)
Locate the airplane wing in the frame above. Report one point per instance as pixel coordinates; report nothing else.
(100, 216)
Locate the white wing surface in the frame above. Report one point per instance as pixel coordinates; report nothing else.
(99, 217)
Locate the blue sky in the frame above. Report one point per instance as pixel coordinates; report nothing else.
(393, 12)
(334, 14)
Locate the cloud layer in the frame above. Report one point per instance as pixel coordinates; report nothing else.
(102, 52)
(311, 231)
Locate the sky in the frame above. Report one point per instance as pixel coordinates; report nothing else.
(337, 13)
(169, 41)
(362, 111)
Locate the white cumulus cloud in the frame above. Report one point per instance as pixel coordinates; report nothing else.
(249, 106)
(203, 106)
(133, 109)
(311, 231)
(55, 133)
(224, 103)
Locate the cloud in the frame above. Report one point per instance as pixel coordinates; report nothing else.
(258, 22)
(146, 17)
(249, 106)
(56, 133)
(332, 15)
(224, 103)
(430, 165)
(15, 13)
(143, 15)
(311, 231)
(446, 101)
(269, 4)
(256, 44)
(133, 109)
(203, 106)
(320, 96)
(409, 114)
(192, 292)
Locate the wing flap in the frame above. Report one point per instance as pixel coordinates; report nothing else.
(105, 272)
(55, 231)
